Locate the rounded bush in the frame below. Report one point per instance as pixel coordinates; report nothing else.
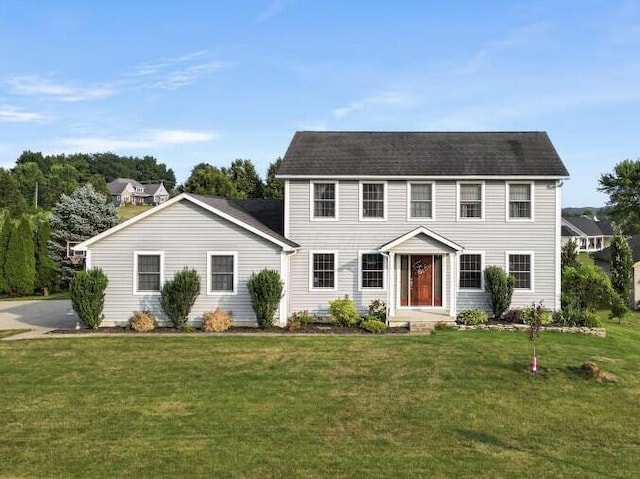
(344, 311)
(472, 316)
(87, 296)
(142, 321)
(373, 326)
(216, 321)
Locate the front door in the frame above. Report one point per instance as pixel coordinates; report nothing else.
(422, 280)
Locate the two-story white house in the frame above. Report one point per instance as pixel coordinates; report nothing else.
(408, 218)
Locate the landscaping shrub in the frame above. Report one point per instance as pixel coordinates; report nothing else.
(377, 310)
(178, 296)
(302, 317)
(576, 317)
(216, 321)
(87, 296)
(344, 311)
(472, 316)
(619, 307)
(293, 325)
(536, 315)
(586, 287)
(513, 316)
(373, 326)
(142, 321)
(499, 287)
(265, 289)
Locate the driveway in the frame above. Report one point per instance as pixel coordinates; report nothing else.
(39, 315)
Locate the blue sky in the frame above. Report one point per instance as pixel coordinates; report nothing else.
(212, 81)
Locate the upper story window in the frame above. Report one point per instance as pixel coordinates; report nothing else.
(471, 201)
(421, 201)
(373, 204)
(148, 271)
(520, 205)
(324, 200)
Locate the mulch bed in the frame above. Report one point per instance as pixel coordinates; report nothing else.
(305, 329)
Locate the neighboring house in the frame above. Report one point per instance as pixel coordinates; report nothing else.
(409, 218)
(603, 260)
(588, 233)
(126, 191)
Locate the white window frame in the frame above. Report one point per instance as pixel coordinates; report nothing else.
(385, 202)
(482, 266)
(335, 269)
(531, 254)
(433, 201)
(482, 200)
(210, 254)
(312, 190)
(508, 202)
(135, 272)
(384, 271)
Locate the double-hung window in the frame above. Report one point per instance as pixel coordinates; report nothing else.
(222, 272)
(373, 201)
(421, 201)
(371, 271)
(520, 266)
(470, 201)
(324, 200)
(323, 270)
(520, 201)
(148, 271)
(471, 271)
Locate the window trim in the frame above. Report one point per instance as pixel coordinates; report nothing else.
(482, 266)
(234, 292)
(508, 202)
(385, 202)
(384, 271)
(312, 190)
(137, 253)
(532, 289)
(482, 200)
(335, 269)
(433, 201)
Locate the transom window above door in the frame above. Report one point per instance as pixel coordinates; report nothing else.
(373, 201)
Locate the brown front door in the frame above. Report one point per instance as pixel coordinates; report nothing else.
(422, 280)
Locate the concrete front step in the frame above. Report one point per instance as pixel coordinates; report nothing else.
(424, 327)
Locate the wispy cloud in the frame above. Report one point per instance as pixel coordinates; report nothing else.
(270, 10)
(175, 72)
(17, 115)
(388, 99)
(144, 140)
(34, 85)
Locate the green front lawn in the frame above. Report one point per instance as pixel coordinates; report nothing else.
(455, 404)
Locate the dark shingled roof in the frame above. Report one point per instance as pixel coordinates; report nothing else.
(152, 188)
(266, 215)
(634, 243)
(588, 226)
(334, 154)
(566, 231)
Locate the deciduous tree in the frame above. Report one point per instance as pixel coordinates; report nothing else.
(623, 188)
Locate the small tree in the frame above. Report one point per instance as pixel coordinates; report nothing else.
(45, 267)
(87, 296)
(499, 286)
(265, 289)
(20, 264)
(621, 265)
(569, 255)
(178, 296)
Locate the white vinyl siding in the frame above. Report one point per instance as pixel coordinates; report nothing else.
(373, 201)
(421, 201)
(148, 272)
(471, 201)
(221, 272)
(520, 202)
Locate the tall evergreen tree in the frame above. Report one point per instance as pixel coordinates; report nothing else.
(10, 195)
(20, 265)
(45, 266)
(5, 234)
(75, 218)
(621, 265)
(274, 188)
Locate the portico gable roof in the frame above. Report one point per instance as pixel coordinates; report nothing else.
(418, 231)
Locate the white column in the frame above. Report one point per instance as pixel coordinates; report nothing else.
(391, 293)
(452, 283)
(284, 300)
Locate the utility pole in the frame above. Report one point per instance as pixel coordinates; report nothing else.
(36, 196)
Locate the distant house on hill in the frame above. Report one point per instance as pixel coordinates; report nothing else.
(603, 260)
(126, 191)
(590, 234)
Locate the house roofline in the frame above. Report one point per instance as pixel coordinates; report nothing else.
(422, 177)
(183, 196)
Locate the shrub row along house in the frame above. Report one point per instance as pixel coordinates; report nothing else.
(408, 218)
(125, 191)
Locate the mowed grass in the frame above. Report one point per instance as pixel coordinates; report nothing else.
(455, 404)
(129, 211)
